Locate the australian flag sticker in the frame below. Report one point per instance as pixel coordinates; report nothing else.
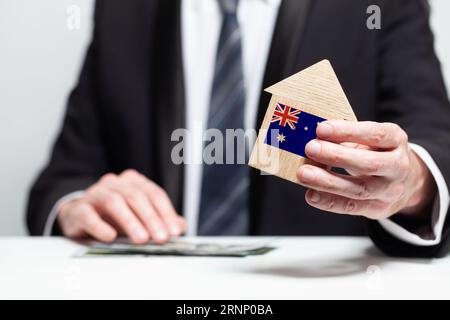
(291, 129)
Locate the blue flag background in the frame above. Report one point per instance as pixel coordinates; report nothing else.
(293, 140)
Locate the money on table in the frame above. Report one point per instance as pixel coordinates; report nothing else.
(178, 247)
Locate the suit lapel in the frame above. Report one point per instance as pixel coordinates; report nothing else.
(285, 46)
(287, 37)
(168, 95)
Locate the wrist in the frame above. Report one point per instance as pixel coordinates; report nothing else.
(422, 188)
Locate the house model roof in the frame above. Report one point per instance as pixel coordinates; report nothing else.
(316, 90)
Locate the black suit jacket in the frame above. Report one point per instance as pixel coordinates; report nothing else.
(130, 97)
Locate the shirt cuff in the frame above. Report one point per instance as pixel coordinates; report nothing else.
(439, 211)
(54, 212)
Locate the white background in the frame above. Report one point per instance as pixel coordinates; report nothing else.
(40, 59)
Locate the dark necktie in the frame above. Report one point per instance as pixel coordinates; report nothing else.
(224, 195)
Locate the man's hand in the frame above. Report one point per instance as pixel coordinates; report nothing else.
(128, 203)
(386, 176)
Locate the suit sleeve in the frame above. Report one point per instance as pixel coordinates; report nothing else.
(412, 94)
(78, 157)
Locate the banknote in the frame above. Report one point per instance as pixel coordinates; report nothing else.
(179, 247)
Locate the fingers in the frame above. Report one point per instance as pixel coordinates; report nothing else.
(346, 186)
(79, 219)
(161, 202)
(366, 162)
(374, 134)
(93, 225)
(112, 204)
(137, 200)
(131, 203)
(371, 197)
(163, 205)
(371, 209)
(140, 205)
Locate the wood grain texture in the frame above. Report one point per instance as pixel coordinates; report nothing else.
(315, 90)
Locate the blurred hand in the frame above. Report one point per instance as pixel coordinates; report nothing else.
(386, 176)
(127, 204)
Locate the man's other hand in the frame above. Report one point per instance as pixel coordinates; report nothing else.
(386, 176)
(128, 204)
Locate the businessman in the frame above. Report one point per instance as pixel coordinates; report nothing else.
(157, 66)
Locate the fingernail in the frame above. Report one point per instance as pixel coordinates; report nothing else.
(174, 230)
(140, 234)
(313, 148)
(160, 235)
(110, 235)
(307, 175)
(324, 130)
(314, 196)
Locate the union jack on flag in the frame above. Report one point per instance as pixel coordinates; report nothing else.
(285, 115)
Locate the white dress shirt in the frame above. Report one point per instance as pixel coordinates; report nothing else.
(201, 22)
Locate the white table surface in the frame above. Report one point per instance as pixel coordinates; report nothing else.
(301, 268)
